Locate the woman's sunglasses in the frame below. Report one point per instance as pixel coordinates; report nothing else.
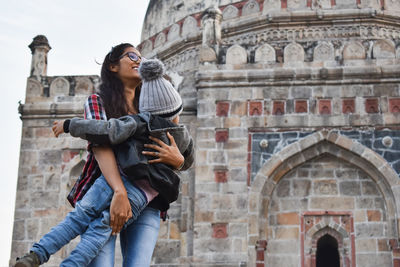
(132, 56)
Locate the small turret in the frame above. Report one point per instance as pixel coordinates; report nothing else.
(39, 47)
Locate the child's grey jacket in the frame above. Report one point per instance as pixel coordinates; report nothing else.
(127, 135)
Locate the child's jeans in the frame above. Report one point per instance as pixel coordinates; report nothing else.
(91, 220)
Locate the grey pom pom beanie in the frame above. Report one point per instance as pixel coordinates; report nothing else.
(157, 95)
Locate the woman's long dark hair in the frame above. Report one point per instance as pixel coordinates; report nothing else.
(111, 89)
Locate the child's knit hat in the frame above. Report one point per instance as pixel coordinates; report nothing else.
(157, 95)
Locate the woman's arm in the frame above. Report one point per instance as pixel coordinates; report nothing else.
(120, 209)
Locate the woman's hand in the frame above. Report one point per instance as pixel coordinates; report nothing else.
(120, 211)
(169, 155)
(58, 128)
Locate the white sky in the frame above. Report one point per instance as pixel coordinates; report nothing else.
(79, 33)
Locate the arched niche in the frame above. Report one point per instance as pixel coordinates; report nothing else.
(384, 178)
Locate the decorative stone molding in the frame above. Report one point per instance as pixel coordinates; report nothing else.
(59, 87)
(236, 55)
(84, 86)
(271, 6)
(293, 52)
(230, 12)
(146, 47)
(34, 89)
(250, 8)
(265, 53)
(324, 52)
(160, 40)
(383, 49)
(189, 26)
(354, 50)
(174, 32)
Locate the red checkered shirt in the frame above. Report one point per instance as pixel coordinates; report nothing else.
(94, 110)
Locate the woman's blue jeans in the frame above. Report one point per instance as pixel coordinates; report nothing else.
(91, 220)
(137, 242)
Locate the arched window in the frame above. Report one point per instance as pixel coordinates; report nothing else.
(327, 252)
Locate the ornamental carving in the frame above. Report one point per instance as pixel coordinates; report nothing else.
(146, 47)
(270, 5)
(293, 53)
(160, 40)
(59, 87)
(173, 32)
(251, 7)
(354, 50)
(236, 55)
(324, 52)
(189, 26)
(383, 49)
(265, 53)
(33, 88)
(230, 12)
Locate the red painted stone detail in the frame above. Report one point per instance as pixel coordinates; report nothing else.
(396, 263)
(394, 105)
(348, 106)
(260, 264)
(333, 3)
(261, 247)
(221, 135)
(260, 255)
(255, 108)
(358, 2)
(283, 3)
(219, 230)
(308, 3)
(278, 108)
(301, 106)
(221, 176)
(222, 109)
(371, 105)
(325, 106)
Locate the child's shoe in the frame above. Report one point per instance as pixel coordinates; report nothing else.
(28, 260)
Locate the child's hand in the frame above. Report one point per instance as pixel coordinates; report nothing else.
(58, 128)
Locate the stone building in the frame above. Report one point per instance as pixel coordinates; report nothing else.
(294, 106)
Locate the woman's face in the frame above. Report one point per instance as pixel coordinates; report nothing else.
(127, 70)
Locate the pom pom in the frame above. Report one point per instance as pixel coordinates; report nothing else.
(151, 69)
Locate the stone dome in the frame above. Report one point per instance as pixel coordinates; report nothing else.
(163, 13)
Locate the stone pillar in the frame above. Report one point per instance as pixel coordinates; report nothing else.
(39, 47)
(211, 22)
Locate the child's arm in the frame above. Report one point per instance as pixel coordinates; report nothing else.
(113, 131)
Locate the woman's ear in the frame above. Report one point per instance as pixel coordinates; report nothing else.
(114, 68)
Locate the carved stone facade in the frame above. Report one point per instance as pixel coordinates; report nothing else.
(294, 106)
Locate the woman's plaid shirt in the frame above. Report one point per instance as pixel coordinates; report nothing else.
(93, 110)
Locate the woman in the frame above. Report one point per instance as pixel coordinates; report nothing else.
(119, 95)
